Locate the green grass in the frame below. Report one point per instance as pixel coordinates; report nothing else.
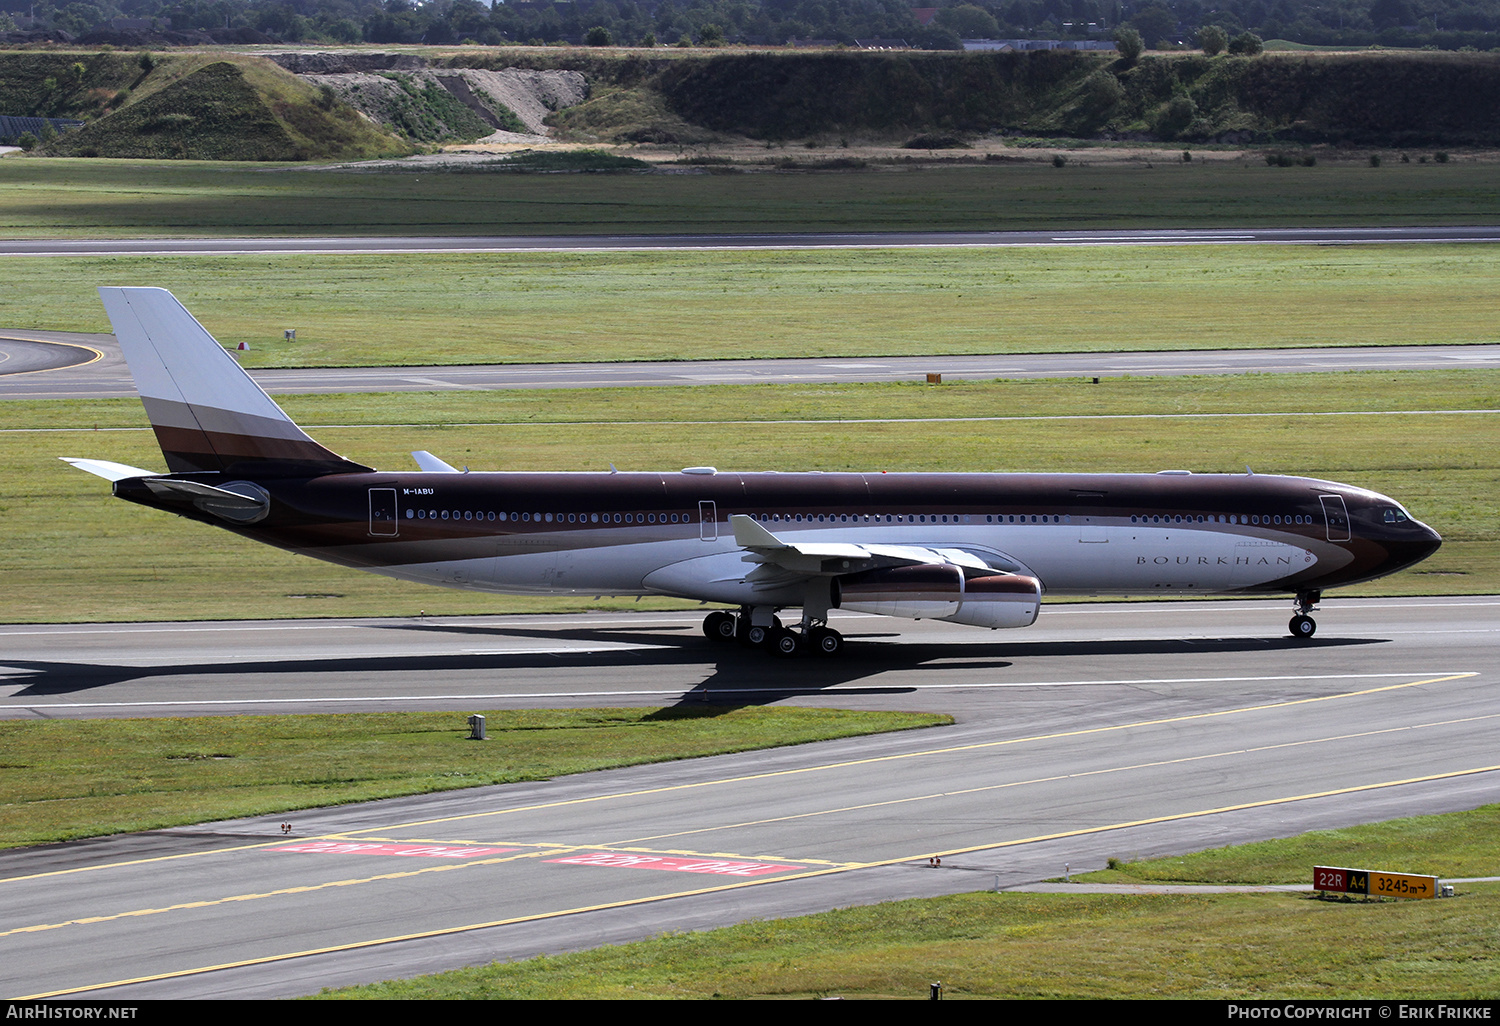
(1013, 945)
(75, 554)
(441, 309)
(1214, 947)
(64, 779)
(42, 197)
(1458, 844)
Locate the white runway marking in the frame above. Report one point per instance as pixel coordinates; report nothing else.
(669, 692)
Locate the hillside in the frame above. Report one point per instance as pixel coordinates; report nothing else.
(197, 106)
(1376, 98)
(361, 103)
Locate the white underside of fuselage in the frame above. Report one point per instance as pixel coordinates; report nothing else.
(1099, 560)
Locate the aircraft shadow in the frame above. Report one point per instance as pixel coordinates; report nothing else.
(734, 674)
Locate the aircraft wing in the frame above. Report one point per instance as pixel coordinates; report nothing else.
(779, 558)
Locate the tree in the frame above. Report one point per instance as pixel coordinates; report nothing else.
(1212, 39)
(1104, 91)
(1128, 43)
(1247, 44)
(969, 21)
(1155, 22)
(599, 36)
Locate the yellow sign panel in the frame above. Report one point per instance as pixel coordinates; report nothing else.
(1402, 885)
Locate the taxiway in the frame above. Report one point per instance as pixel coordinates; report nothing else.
(1106, 729)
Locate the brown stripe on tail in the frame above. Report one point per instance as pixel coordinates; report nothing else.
(208, 414)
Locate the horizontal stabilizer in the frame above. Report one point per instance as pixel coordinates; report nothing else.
(107, 469)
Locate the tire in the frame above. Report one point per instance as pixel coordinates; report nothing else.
(826, 641)
(785, 643)
(719, 626)
(758, 637)
(1303, 627)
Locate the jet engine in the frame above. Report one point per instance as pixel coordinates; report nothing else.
(939, 591)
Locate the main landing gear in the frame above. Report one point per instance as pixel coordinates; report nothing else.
(1303, 626)
(785, 641)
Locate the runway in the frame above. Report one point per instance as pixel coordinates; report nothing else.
(778, 240)
(1105, 730)
(107, 376)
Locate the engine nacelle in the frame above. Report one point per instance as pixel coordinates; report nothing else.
(939, 591)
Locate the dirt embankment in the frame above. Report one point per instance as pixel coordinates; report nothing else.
(397, 90)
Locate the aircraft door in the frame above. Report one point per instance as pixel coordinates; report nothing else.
(1337, 517)
(708, 521)
(383, 512)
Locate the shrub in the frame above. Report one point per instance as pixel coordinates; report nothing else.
(1246, 44)
(1187, 157)
(1212, 40)
(599, 36)
(1175, 116)
(1128, 43)
(1374, 160)
(1441, 157)
(27, 142)
(145, 61)
(1058, 160)
(1104, 90)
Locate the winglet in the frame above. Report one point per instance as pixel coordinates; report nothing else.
(431, 464)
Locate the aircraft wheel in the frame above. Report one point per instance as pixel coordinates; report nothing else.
(758, 637)
(826, 641)
(719, 626)
(1303, 626)
(785, 643)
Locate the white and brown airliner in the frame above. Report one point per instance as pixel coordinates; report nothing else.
(979, 549)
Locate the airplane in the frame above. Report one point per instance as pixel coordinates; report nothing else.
(979, 549)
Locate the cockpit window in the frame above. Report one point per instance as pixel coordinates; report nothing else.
(1395, 516)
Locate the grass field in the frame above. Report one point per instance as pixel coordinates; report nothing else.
(51, 198)
(543, 307)
(64, 779)
(1013, 945)
(75, 554)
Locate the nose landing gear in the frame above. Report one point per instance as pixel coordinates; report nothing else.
(1303, 626)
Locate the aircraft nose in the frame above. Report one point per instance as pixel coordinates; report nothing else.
(1405, 552)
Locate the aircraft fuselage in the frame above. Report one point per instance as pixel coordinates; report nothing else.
(669, 534)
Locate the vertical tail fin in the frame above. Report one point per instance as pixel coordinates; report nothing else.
(207, 412)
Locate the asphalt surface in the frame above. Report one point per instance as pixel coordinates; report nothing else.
(783, 240)
(98, 370)
(1105, 730)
